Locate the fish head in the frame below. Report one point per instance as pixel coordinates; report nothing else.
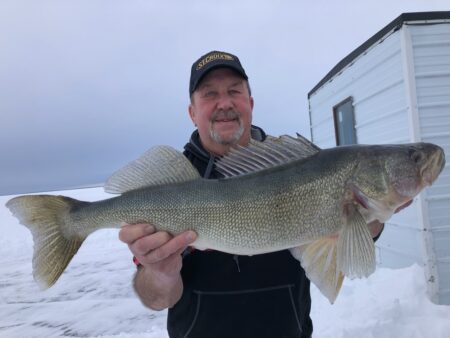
(390, 176)
(415, 167)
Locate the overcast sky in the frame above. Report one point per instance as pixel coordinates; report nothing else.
(86, 86)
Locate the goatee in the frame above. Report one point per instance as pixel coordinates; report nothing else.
(226, 115)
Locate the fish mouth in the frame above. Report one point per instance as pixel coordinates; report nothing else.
(433, 166)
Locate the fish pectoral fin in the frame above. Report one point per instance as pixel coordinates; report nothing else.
(355, 248)
(159, 165)
(319, 260)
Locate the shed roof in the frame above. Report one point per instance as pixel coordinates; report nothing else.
(392, 26)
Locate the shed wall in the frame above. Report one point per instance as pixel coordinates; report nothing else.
(376, 82)
(431, 58)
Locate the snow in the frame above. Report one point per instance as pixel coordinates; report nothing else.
(94, 297)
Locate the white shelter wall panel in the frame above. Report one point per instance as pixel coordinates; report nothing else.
(443, 268)
(375, 82)
(398, 244)
(441, 187)
(393, 259)
(441, 240)
(434, 120)
(396, 253)
(324, 134)
(431, 55)
(409, 238)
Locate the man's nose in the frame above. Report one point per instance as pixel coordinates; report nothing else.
(225, 102)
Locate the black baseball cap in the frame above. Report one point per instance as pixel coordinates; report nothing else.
(210, 61)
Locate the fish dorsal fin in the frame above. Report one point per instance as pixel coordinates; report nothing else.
(272, 152)
(158, 166)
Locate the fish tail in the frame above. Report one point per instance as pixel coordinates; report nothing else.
(54, 246)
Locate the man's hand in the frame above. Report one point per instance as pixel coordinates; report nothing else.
(159, 283)
(157, 250)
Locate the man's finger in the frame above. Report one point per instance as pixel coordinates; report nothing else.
(130, 233)
(144, 245)
(173, 246)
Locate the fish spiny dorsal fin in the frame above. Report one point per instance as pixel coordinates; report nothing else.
(158, 166)
(274, 151)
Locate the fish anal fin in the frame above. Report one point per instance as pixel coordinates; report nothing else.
(319, 260)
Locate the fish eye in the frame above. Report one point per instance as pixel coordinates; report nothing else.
(415, 155)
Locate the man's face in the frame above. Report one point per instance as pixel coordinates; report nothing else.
(221, 108)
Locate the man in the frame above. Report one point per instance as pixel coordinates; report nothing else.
(209, 293)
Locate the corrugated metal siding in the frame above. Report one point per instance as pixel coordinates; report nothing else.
(375, 80)
(399, 246)
(431, 53)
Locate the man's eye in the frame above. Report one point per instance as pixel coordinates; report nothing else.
(210, 94)
(234, 91)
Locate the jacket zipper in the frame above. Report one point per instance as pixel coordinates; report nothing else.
(236, 260)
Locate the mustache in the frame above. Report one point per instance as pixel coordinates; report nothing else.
(225, 115)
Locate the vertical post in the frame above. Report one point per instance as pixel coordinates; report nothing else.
(428, 252)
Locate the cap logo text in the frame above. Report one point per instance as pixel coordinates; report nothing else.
(212, 57)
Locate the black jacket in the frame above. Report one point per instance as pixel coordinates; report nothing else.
(231, 296)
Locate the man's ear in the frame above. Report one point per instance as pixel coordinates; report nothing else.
(191, 111)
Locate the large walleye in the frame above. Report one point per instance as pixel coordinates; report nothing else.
(284, 193)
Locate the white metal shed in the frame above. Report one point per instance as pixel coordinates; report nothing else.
(395, 88)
